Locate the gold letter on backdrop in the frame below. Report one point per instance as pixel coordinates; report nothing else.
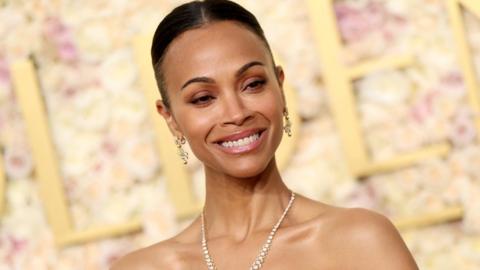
(338, 82)
(47, 170)
(176, 174)
(464, 53)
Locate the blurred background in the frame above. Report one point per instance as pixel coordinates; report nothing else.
(408, 146)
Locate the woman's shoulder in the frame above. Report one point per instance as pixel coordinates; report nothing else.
(157, 256)
(368, 238)
(358, 220)
(172, 253)
(345, 220)
(365, 226)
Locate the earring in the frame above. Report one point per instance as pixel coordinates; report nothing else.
(288, 124)
(180, 141)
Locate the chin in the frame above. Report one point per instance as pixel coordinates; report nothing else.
(246, 169)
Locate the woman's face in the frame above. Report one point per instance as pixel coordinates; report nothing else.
(225, 98)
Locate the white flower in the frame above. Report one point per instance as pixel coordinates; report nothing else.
(94, 39)
(76, 149)
(312, 100)
(93, 109)
(399, 8)
(375, 114)
(19, 36)
(118, 71)
(438, 59)
(117, 209)
(408, 137)
(24, 219)
(130, 106)
(139, 157)
(385, 87)
(110, 167)
(158, 214)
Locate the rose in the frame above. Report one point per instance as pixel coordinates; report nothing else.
(18, 162)
(93, 110)
(118, 71)
(385, 87)
(139, 157)
(462, 130)
(94, 40)
(355, 23)
(130, 106)
(60, 36)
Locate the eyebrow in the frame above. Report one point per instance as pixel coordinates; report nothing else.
(238, 73)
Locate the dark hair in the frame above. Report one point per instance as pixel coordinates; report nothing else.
(193, 15)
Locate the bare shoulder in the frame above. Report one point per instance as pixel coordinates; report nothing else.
(368, 238)
(157, 256)
(176, 253)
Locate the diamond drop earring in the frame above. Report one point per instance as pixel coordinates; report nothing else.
(288, 124)
(180, 141)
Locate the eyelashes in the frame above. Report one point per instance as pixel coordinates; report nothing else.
(202, 100)
(254, 85)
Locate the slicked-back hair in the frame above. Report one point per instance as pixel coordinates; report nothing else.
(194, 15)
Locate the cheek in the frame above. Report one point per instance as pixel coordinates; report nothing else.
(196, 127)
(270, 106)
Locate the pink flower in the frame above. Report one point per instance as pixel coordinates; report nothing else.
(18, 162)
(12, 246)
(67, 51)
(452, 83)
(61, 38)
(423, 108)
(4, 72)
(462, 130)
(356, 23)
(363, 195)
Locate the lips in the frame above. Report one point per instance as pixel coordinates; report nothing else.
(240, 135)
(242, 142)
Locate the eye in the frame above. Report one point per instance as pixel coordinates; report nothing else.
(256, 84)
(202, 100)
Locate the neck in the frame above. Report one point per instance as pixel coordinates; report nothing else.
(238, 207)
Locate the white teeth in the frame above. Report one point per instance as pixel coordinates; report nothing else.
(241, 142)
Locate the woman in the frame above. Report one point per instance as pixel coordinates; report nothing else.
(222, 92)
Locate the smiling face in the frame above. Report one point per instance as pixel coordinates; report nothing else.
(225, 97)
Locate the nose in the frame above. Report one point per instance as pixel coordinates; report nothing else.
(235, 110)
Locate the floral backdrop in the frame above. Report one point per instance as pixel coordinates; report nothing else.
(111, 171)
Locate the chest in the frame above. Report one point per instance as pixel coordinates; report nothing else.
(303, 254)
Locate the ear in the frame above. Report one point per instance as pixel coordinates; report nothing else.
(169, 118)
(280, 78)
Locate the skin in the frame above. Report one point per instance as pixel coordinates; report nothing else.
(245, 194)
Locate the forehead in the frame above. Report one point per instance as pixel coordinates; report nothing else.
(219, 46)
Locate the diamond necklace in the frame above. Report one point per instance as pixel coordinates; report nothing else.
(257, 264)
